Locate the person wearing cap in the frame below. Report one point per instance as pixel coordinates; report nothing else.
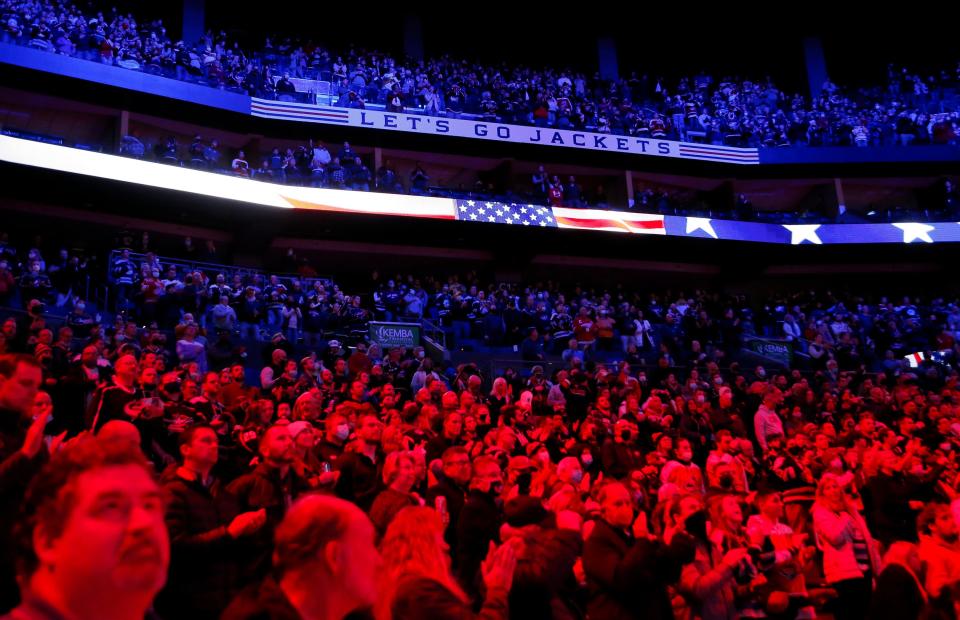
(305, 460)
(359, 361)
(332, 354)
(309, 376)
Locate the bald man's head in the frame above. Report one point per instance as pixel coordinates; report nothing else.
(120, 429)
(328, 539)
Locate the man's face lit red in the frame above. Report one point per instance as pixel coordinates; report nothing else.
(42, 405)
(114, 537)
(277, 446)
(362, 569)
(126, 368)
(18, 391)
(204, 448)
(370, 429)
(617, 507)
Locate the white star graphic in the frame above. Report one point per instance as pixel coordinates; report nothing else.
(489, 204)
(463, 209)
(803, 232)
(523, 209)
(499, 211)
(700, 223)
(471, 203)
(526, 223)
(473, 216)
(508, 220)
(492, 219)
(913, 231)
(543, 223)
(481, 210)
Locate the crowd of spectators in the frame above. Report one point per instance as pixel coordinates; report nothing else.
(827, 333)
(182, 477)
(912, 108)
(313, 164)
(110, 37)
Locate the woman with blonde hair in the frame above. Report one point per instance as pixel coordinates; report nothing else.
(307, 407)
(500, 398)
(417, 580)
(399, 477)
(850, 557)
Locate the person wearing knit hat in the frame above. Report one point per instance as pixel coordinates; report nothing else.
(298, 427)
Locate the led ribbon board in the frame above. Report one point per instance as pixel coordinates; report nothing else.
(225, 186)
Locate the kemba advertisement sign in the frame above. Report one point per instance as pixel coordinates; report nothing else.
(389, 335)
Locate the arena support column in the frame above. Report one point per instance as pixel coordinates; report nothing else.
(413, 36)
(607, 58)
(816, 63)
(194, 20)
(841, 203)
(628, 177)
(123, 129)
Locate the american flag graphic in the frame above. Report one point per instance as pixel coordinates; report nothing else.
(291, 111)
(712, 152)
(505, 213)
(915, 359)
(610, 221)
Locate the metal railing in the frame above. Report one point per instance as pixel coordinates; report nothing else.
(185, 266)
(434, 332)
